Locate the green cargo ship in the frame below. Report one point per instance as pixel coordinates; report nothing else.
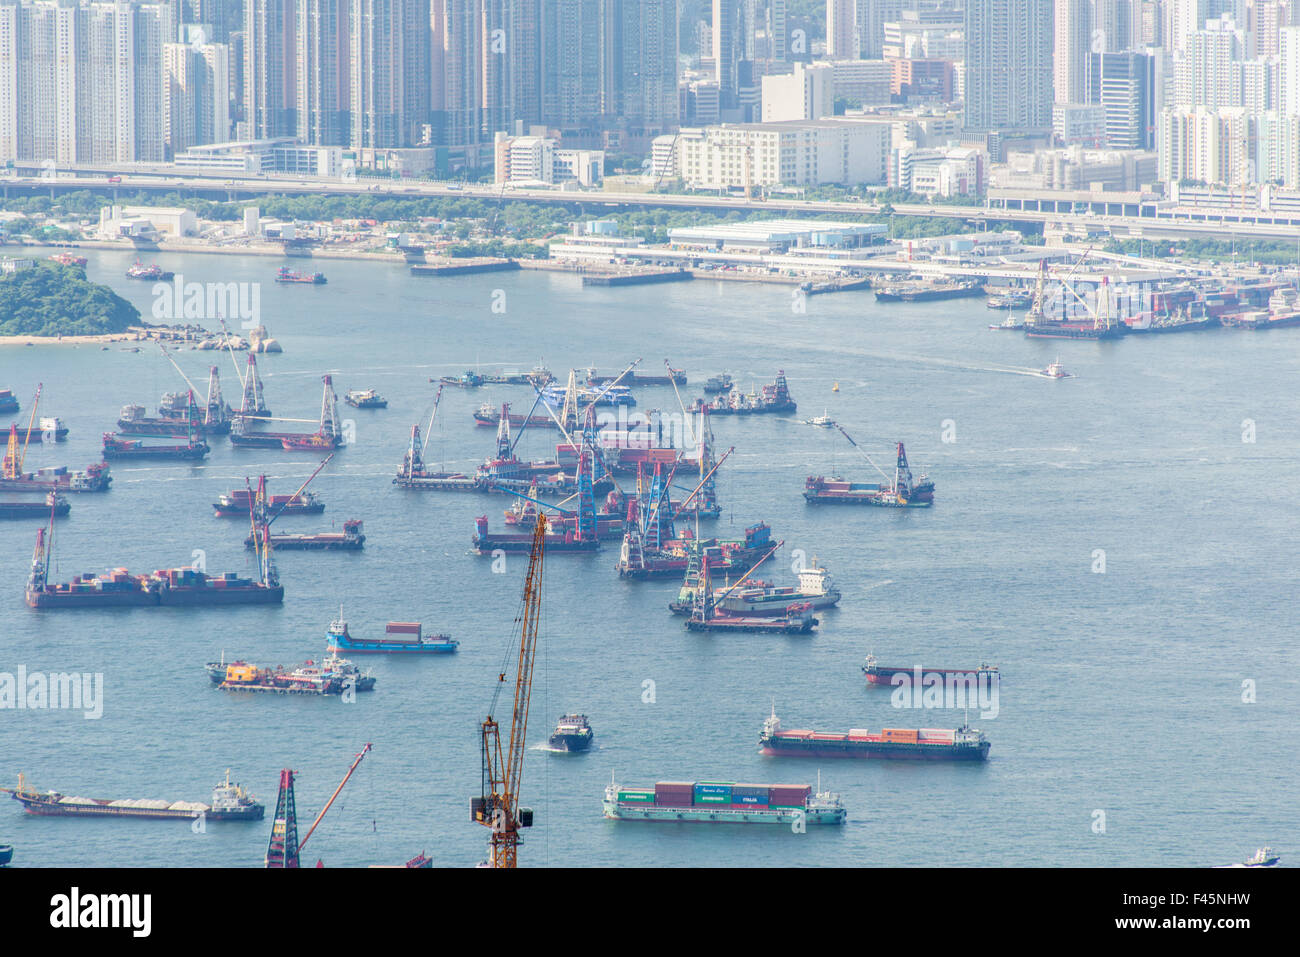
(724, 802)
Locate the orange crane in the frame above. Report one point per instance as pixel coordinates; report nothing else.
(13, 461)
(497, 806)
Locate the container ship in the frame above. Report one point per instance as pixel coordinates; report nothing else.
(400, 638)
(285, 274)
(237, 503)
(773, 398)
(878, 674)
(724, 802)
(116, 448)
(230, 802)
(352, 538)
(927, 290)
(53, 503)
(924, 744)
(572, 733)
(333, 676)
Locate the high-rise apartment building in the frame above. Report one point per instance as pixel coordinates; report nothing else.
(1008, 69)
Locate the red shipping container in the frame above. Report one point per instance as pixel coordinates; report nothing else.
(403, 628)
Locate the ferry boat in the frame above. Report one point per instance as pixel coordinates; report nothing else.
(724, 802)
(151, 273)
(400, 638)
(365, 399)
(573, 733)
(285, 274)
(917, 744)
(230, 802)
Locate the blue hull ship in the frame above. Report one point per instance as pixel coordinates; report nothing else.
(400, 638)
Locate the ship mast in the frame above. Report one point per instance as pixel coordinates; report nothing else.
(497, 806)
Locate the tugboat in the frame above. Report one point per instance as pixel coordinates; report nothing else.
(718, 383)
(573, 733)
(365, 399)
(1056, 371)
(823, 421)
(1009, 323)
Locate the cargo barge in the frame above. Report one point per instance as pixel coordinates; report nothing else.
(923, 744)
(724, 802)
(237, 503)
(53, 502)
(95, 478)
(878, 674)
(929, 290)
(49, 428)
(171, 587)
(352, 538)
(797, 619)
(674, 377)
(285, 274)
(230, 802)
(115, 448)
(365, 399)
(902, 492)
(489, 415)
(773, 398)
(573, 733)
(400, 638)
(485, 542)
(333, 676)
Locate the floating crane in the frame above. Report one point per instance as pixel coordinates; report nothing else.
(14, 457)
(284, 847)
(497, 807)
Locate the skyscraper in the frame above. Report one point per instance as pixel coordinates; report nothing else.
(1008, 70)
(323, 87)
(841, 29)
(642, 43)
(1072, 47)
(270, 77)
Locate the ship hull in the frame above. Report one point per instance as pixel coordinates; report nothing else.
(770, 625)
(632, 812)
(31, 509)
(524, 543)
(52, 809)
(115, 599)
(241, 511)
(891, 750)
(814, 498)
(1041, 331)
(363, 647)
(168, 427)
(570, 742)
(775, 606)
(929, 295)
(317, 543)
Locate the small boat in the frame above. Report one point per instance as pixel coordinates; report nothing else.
(152, 272)
(311, 442)
(68, 259)
(6, 854)
(285, 274)
(470, 380)
(573, 733)
(1056, 371)
(718, 383)
(365, 399)
(1264, 857)
(835, 387)
(823, 421)
(1009, 323)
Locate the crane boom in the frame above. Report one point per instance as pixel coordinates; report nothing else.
(498, 806)
(861, 452)
(36, 400)
(310, 830)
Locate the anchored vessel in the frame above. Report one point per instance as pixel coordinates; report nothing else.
(400, 638)
(237, 502)
(333, 675)
(724, 802)
(95, 478)
(53, 502)
(774, 398)
(285, 274)
(350, 539)
(365, 399)
(152, 272)
(759, 598)
(901, 492)
(230, 802)
(878, 674)
(933, 744)
(573, 733)
(926, 290)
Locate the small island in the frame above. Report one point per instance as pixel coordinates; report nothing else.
(49, 300)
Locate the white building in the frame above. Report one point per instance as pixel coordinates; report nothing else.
(806, 94)
(799, 154)
(945, 172)
(538, 160)
(196, 94)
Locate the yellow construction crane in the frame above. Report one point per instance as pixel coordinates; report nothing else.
(497, 807)
(14, 458)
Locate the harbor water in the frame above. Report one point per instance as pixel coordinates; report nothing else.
(1122, 544)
